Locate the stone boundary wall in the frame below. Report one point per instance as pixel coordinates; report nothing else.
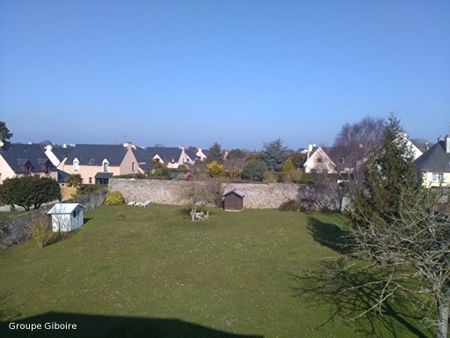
(17, 229)
(257, 196)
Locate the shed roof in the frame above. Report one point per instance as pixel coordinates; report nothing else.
(64, 208)
(237, 192)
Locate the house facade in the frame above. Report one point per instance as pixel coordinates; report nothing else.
(25, 159)
(433, 167)
(95, 163)
(318, 161)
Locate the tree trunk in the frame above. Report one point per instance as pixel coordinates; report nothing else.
(443, 312)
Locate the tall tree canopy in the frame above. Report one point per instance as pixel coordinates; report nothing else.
(355, 141)
(215, 153)
(389, 170)
(274, 154)
(402, 230)
(5, 134)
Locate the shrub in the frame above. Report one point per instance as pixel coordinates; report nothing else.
(41, 230)
(254, 170)
(161, 172)
(114, 198)
(291, 205)
(215, 169)
(182, 168)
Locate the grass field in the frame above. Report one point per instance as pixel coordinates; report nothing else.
(150, 272)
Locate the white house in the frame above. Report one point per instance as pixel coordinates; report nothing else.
(318, 161)
(66, 216)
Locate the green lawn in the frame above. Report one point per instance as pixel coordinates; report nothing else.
(151, 272)
(10, 214)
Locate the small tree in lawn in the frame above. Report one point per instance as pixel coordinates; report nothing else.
(198, 195)
(254, 170)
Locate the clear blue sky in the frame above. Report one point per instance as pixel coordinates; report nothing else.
(237, 72)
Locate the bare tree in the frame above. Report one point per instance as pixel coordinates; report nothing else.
(353, 144)
(199, 195)
(413, 247)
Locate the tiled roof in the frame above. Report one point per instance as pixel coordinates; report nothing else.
(18, 155)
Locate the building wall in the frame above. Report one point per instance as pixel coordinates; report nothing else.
(87, 171)
(427, 179)
(5, 170)
(126, 167)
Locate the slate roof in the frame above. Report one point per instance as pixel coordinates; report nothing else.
(166, 153)
(92, 154)
(434, 159)
(17, 155)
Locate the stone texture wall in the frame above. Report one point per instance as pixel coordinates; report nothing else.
(173, 192)
(17, 229)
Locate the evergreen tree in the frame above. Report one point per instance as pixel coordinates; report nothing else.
(215, 153)
(389, 171)
(5, 134)
(274, 155)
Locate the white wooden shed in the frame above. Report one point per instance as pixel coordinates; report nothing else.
(66, 216)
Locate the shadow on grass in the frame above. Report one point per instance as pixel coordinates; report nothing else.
(348, 293)
(114, 326)
(329, 234)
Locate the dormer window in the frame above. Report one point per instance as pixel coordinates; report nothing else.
(27, 170)
(105, 165)
(76, 165)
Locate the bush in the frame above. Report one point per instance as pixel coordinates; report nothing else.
(41, 230)
(215, 169)
(114, 198)
(291, 205)
(161, 172)
(29, 191)
(254, 170)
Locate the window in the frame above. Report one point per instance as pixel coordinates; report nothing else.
(438, 177)
(132, 166)
(48, 169)
(76, 165)
(90, 180)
